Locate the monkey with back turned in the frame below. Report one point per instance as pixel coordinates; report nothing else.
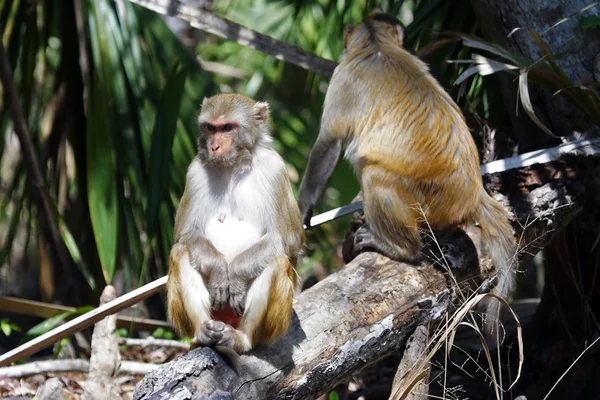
(409, 145)
(238, 232)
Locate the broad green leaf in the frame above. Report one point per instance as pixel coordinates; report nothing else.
(102, 188)
(162, 144)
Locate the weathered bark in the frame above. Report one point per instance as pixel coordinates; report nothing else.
(415, 352)
(568, 317)
(105, 357)
(369, 308)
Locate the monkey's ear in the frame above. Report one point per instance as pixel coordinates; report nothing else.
(261, 111)
(400, 34)
(347, 33)
(203, 101)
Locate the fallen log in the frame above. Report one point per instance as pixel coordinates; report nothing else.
(369, 308)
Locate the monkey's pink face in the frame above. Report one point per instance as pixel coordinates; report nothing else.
(220, 135)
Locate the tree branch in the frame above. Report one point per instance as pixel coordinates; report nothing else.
(206, 21)
(55, 366)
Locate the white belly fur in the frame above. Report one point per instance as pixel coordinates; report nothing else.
(231, 236)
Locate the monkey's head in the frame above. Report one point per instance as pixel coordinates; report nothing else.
(230, 127)
(377, 27)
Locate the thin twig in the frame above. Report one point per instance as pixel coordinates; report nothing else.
(206, 21)
(571, 366)
(31, 162)
(48, 366)
(151, 341)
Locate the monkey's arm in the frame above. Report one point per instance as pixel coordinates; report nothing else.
(284, 237)
(211, 265)
(322, 161)
(247, 266)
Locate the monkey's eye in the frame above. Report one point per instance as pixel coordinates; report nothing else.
(228, 127)
(211, 128)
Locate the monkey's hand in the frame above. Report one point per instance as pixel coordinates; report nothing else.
(246, 267)
(215, 274)
(238, 290)
(211, 265)
(307, 213)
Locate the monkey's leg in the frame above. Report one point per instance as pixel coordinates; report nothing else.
(392, 223)
(267, 313)
(188, 300)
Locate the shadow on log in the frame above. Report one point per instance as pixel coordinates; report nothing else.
(369, 308)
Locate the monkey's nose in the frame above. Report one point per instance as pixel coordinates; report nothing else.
(215, 148)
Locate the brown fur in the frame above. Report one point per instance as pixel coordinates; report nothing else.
(276, 318)
(410, 147)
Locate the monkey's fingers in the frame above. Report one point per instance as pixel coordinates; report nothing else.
(306, 217)
(219, 298)
(363, 239)
(237, 303)
(209, 334)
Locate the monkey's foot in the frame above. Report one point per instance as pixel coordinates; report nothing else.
(210, 333)
(444, 255)
(365, 240)
(217, 333)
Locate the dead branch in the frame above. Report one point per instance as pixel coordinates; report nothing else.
(369, 308)
(105, 358)
(56, 366)
(415, 352)
(49, 310)
(206, 21)
(150, 341)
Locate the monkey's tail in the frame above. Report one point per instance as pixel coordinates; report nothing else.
(502, 249)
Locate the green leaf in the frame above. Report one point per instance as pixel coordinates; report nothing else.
(590, 22)
(6, 328)
(158, 333)
(73, 249)
(52, 323)
(162, 144)
(333, 396)
(59, 347)
(102, 188)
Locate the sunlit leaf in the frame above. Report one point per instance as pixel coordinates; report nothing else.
(526, 102)
(484, 66)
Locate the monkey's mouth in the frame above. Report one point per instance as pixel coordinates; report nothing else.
(225, 160)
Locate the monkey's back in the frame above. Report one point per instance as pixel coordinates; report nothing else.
(428, 153)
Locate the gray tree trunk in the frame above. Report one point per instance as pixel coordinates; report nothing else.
(567, 319)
